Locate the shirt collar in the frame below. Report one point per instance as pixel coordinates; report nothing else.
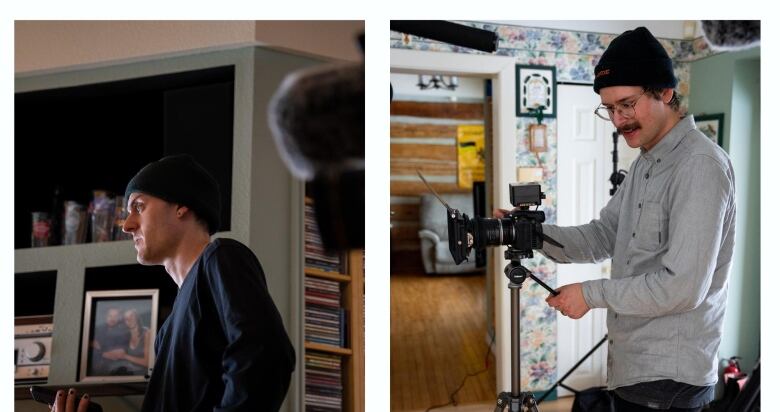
(671, 140)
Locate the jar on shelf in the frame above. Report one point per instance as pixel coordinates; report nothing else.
(41, 229)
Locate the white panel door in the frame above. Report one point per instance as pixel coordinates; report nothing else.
(584, 167)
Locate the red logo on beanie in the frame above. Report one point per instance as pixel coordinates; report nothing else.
(602, 73)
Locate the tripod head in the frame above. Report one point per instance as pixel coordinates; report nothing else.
(517, 273)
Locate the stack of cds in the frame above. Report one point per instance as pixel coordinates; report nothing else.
(323, 382)
(325, 318)
(315, 254)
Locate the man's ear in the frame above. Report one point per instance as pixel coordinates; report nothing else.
(667, 95)
(181, 210)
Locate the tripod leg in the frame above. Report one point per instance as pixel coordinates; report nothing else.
(529, 404)
(560, 381)
(501, 402)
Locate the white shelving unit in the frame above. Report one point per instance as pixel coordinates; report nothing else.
(266, 204)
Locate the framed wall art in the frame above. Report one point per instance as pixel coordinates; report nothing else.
(712, 126)
(535, 89)
(118, 334)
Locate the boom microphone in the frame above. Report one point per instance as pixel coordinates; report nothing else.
(727, 35)
(449, 32)
(317, 118)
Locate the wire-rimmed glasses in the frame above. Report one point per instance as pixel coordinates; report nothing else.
(624, 108)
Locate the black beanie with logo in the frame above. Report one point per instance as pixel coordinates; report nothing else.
(180, 179)
(635, 58)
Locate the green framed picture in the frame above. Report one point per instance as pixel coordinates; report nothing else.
(711, 125)
(535, 89)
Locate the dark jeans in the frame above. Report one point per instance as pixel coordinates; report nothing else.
(622, 405)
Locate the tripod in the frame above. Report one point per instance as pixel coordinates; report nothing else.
(516, 400)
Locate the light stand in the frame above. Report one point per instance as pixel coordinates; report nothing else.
(516, 400)
(617, 175)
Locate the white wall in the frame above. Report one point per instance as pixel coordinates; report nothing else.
(333, 38)
(41, 45)
(405, 88)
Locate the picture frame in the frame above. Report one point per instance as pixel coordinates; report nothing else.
(118, 332)
(537, 138)
(535, 87)
(712, 126)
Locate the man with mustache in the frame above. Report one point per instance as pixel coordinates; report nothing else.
(669, 230)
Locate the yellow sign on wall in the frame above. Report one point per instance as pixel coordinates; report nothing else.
(471, 155)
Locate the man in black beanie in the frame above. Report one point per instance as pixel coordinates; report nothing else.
(669, 231)
(223, 347)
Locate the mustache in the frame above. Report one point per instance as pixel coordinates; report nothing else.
(628, 127)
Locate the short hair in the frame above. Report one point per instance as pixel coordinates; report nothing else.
(674, 103)
(200, 220)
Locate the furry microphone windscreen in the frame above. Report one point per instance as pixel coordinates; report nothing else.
(729, 35)
(318, 122)
(317, 117)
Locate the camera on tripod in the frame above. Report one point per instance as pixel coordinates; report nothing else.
(520, 229)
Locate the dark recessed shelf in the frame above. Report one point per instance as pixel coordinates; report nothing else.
(97, 136)
(34, 293)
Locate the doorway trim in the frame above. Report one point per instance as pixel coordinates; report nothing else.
(501, 70)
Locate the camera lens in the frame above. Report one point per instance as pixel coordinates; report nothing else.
(492, 232)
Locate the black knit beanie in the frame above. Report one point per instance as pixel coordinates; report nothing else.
(180, 179)
(635, 58)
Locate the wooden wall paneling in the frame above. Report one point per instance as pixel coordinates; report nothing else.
(429, 146)
(398, 129)
(445, 110)
(427, 168)
(423, 151)
(403, 188)
(405, 211)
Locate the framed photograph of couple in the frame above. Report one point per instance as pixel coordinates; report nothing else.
(118, 332)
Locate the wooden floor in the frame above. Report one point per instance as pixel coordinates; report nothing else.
(559, 405)
(437, 336)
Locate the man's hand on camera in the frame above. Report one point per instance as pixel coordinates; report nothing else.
(62, 404)
(500, 213)
(570, 301)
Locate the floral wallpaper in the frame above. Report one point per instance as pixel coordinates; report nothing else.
(575, 55)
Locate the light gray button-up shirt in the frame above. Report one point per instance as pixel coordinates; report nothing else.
(669, 230)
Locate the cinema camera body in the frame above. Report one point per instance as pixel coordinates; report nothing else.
(520, 229)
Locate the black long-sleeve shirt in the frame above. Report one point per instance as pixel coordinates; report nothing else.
(223, 347)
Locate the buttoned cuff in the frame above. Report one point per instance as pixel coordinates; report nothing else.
(593, 291)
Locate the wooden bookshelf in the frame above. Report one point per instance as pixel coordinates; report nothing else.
(328, 348)
(352, 355)
(327, 275)
(355, 364)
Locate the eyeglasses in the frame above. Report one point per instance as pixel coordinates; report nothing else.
(624, 109)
